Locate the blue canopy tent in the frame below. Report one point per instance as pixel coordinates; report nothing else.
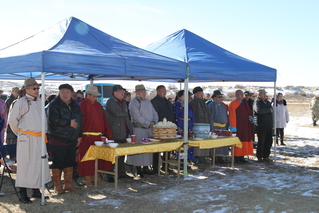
(74, 50)
(207, 62)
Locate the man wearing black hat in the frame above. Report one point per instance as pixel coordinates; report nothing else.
(201, 114)
(118, 118)
(65, 132)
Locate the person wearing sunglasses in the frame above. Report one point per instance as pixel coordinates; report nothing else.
(219, 120)
(25, 120)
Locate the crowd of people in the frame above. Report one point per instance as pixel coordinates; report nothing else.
(74, 121)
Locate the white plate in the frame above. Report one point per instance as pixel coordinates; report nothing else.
(145, 142)
(198, 139)
(178, 136)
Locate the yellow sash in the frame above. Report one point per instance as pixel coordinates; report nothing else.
(37, 134)
(219, 124)
(92, 133)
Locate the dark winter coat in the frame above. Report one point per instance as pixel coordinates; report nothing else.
(164, 108)
(263, 113)
(60, 115)
(118, 117)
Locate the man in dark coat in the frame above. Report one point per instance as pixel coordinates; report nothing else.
(263, 114)
(65, 133)
(118, 118)
(164, 109)
(202, 115)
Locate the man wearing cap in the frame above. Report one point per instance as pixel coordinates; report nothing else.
(25, 120)
(241, 122)
(219, 119)
(94, 125)
(11, 137)
(164, 109)
(144, 117)
(118, 118)
(263, 114)
(201, 114)
(65, 132)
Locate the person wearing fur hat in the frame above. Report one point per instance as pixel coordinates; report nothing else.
(65, 132)
(25, 120)
(94, 125)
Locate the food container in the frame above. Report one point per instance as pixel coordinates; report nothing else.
(98, 143)
(113, 145)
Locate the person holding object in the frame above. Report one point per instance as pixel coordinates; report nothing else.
(263, 113)
(94, 125)
(26, 122)
(65, 132)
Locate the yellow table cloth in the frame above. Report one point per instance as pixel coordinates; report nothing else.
(215, 143)
(109, 154)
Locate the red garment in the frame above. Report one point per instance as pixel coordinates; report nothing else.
(94, 120)
(239, 117)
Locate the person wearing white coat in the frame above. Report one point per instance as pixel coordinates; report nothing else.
(282, 118)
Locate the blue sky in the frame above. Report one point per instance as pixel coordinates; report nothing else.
(282, 34)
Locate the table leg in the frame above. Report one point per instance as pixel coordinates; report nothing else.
(165, 160)
(232, 155)
(214, 156)
(179, 163)
(159, 164)
(116, 173)
(95, 171)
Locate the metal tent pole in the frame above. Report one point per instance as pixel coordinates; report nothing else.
(186, 121)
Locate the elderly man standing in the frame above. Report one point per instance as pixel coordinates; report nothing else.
(201, 114)
(26, 122)
(164, 109)
(118, 118)
(144, 117)
(94, 125)
(241, 122)
(263, 113)
(65, 132)
(219, 118)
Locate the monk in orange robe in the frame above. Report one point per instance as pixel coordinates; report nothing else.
(241, 122)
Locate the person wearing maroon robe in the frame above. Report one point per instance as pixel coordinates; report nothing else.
(94, 126)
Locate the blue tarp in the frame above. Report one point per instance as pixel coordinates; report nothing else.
(74, 49)
(208, 62)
